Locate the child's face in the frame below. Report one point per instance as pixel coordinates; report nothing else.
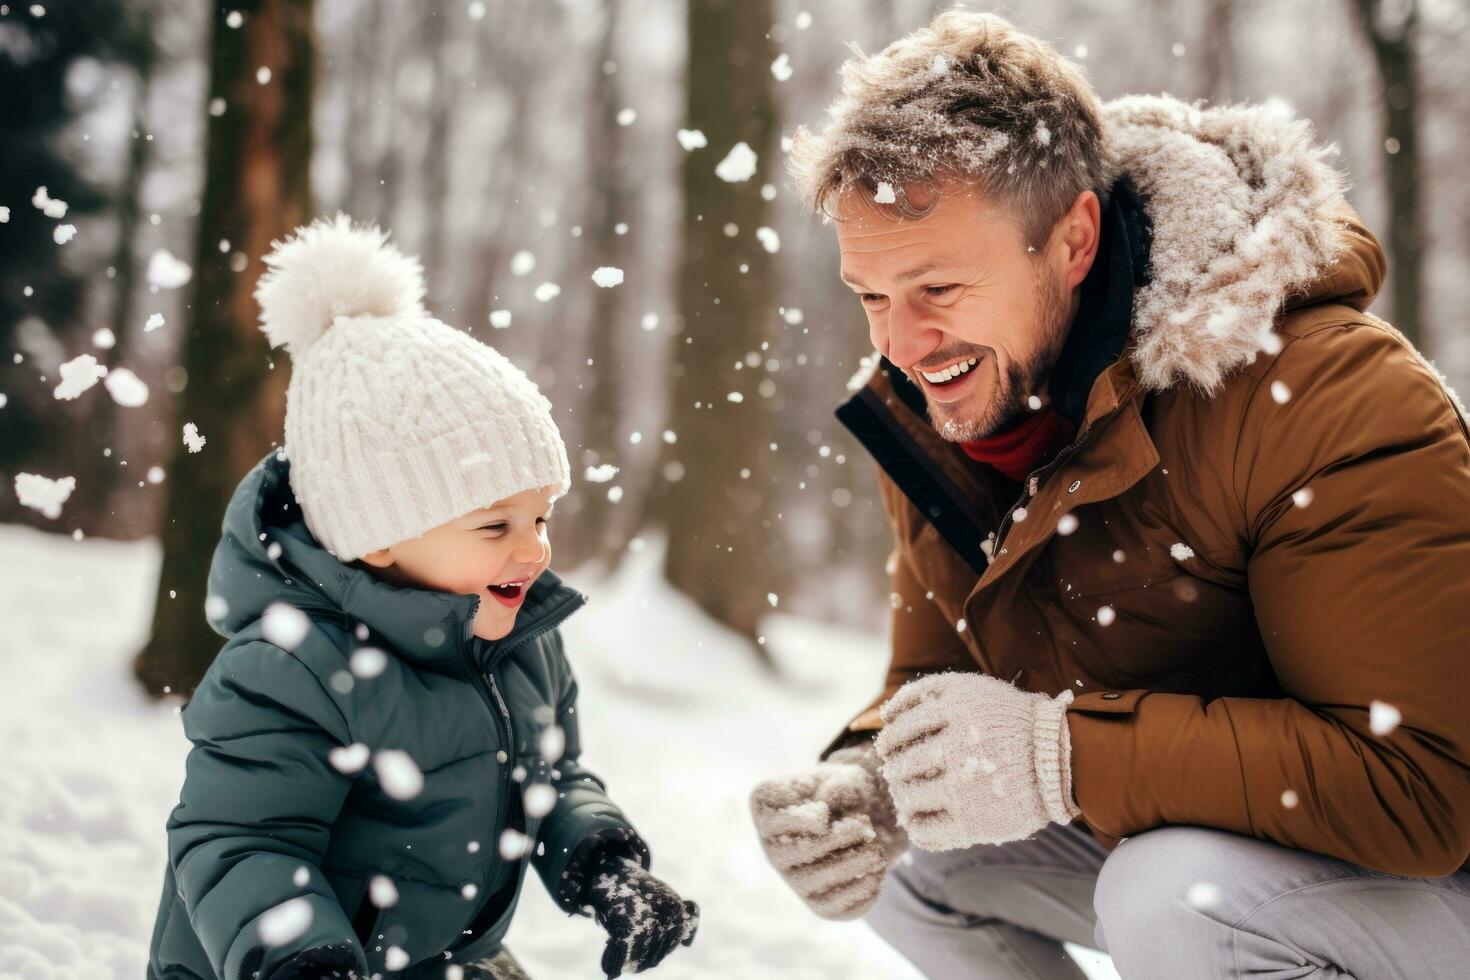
(495, 553)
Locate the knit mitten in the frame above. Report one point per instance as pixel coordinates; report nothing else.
(831, 831)
(644, 918)
(970, 759)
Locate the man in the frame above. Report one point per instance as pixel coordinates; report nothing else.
(1182, 543)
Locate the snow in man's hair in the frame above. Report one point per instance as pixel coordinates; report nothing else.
(968, 99)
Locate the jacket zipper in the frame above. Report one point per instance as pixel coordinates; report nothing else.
(490, 692)
(1036, 475)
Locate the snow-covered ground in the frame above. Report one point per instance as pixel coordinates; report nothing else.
(676, 716)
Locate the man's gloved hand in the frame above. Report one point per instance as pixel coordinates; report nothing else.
(644, 918)
(831, 831)
(970, 759)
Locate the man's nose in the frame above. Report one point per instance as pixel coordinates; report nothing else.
(911, 335)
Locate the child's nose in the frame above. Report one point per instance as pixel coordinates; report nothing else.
(530, 547)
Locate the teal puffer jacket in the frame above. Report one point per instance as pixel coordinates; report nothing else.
(267, 815)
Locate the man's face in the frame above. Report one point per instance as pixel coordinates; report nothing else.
(957, 302)
(495, 553)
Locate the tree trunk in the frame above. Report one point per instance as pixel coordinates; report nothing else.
(598, 527)
(724, 537)
(255, 191)
(1393, 50)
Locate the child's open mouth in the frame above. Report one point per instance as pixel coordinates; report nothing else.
(509, 593)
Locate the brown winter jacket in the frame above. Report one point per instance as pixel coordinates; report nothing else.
(1267, 541)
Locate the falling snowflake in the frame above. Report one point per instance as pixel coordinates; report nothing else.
(1067, 524)
(154, 322)
(1280, 392)
(692, 139)
(500, 319)
(739, 164)
(382, 892)
(1042, 134)
(1383, 718)
(167, 272)
(348, 759)
(614, 494)
(772, 598)
(64, 233)
(4, 215)
(286, 922)
(284, 625)
(1289, 799)
(1202, 895)
(514, 845)
(43, 494)
(1106, 616)
(540, 799)
(649, 322)
(395, 958)
(398, 773)
(126, 388)
(1180, 551)
(608, 276)
(793, 315)
(79, 374)
(600, 474)
(48, 205)
(885, 193)
(735, 397)
(1302, 497)
(553, 743)
(368, 662)
(547, 291)
(627, 117)
(192, 439)
(104, 339)
(803, 20)
(523, 263)
(781, 67)
(768, 238)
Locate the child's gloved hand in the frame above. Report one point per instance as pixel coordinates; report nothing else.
(644, 918)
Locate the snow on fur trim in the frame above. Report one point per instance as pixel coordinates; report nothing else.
(1245, 213)
(329, 269)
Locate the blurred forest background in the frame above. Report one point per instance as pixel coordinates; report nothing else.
(517, 146)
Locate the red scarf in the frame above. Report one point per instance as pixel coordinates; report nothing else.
(1017, 451)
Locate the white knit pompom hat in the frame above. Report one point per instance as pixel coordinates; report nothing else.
(395, 422)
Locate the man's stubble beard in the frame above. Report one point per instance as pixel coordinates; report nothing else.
(1008, 400)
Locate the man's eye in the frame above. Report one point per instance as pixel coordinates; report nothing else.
(937, 291)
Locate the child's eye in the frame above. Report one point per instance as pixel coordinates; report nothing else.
(870, 299)
(497, 526)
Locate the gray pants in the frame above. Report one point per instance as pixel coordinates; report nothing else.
(1179, 903)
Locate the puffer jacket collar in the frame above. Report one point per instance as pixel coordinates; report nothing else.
(267, 555)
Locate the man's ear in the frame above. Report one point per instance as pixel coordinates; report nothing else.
(1081, 229)
(382, 558)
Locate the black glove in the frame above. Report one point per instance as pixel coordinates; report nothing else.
(319, 963)
(644, 918)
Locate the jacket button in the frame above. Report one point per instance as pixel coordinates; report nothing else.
(1111, 696)
(1074, 486)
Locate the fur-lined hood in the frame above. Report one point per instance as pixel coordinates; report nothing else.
(1248, 219)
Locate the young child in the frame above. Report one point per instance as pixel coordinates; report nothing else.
(389, 736)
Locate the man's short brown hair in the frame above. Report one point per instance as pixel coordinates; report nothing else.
(969, 99)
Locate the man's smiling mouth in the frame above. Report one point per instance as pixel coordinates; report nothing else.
(949, 374)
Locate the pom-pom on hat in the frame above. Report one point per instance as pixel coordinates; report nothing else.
(395, 422)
